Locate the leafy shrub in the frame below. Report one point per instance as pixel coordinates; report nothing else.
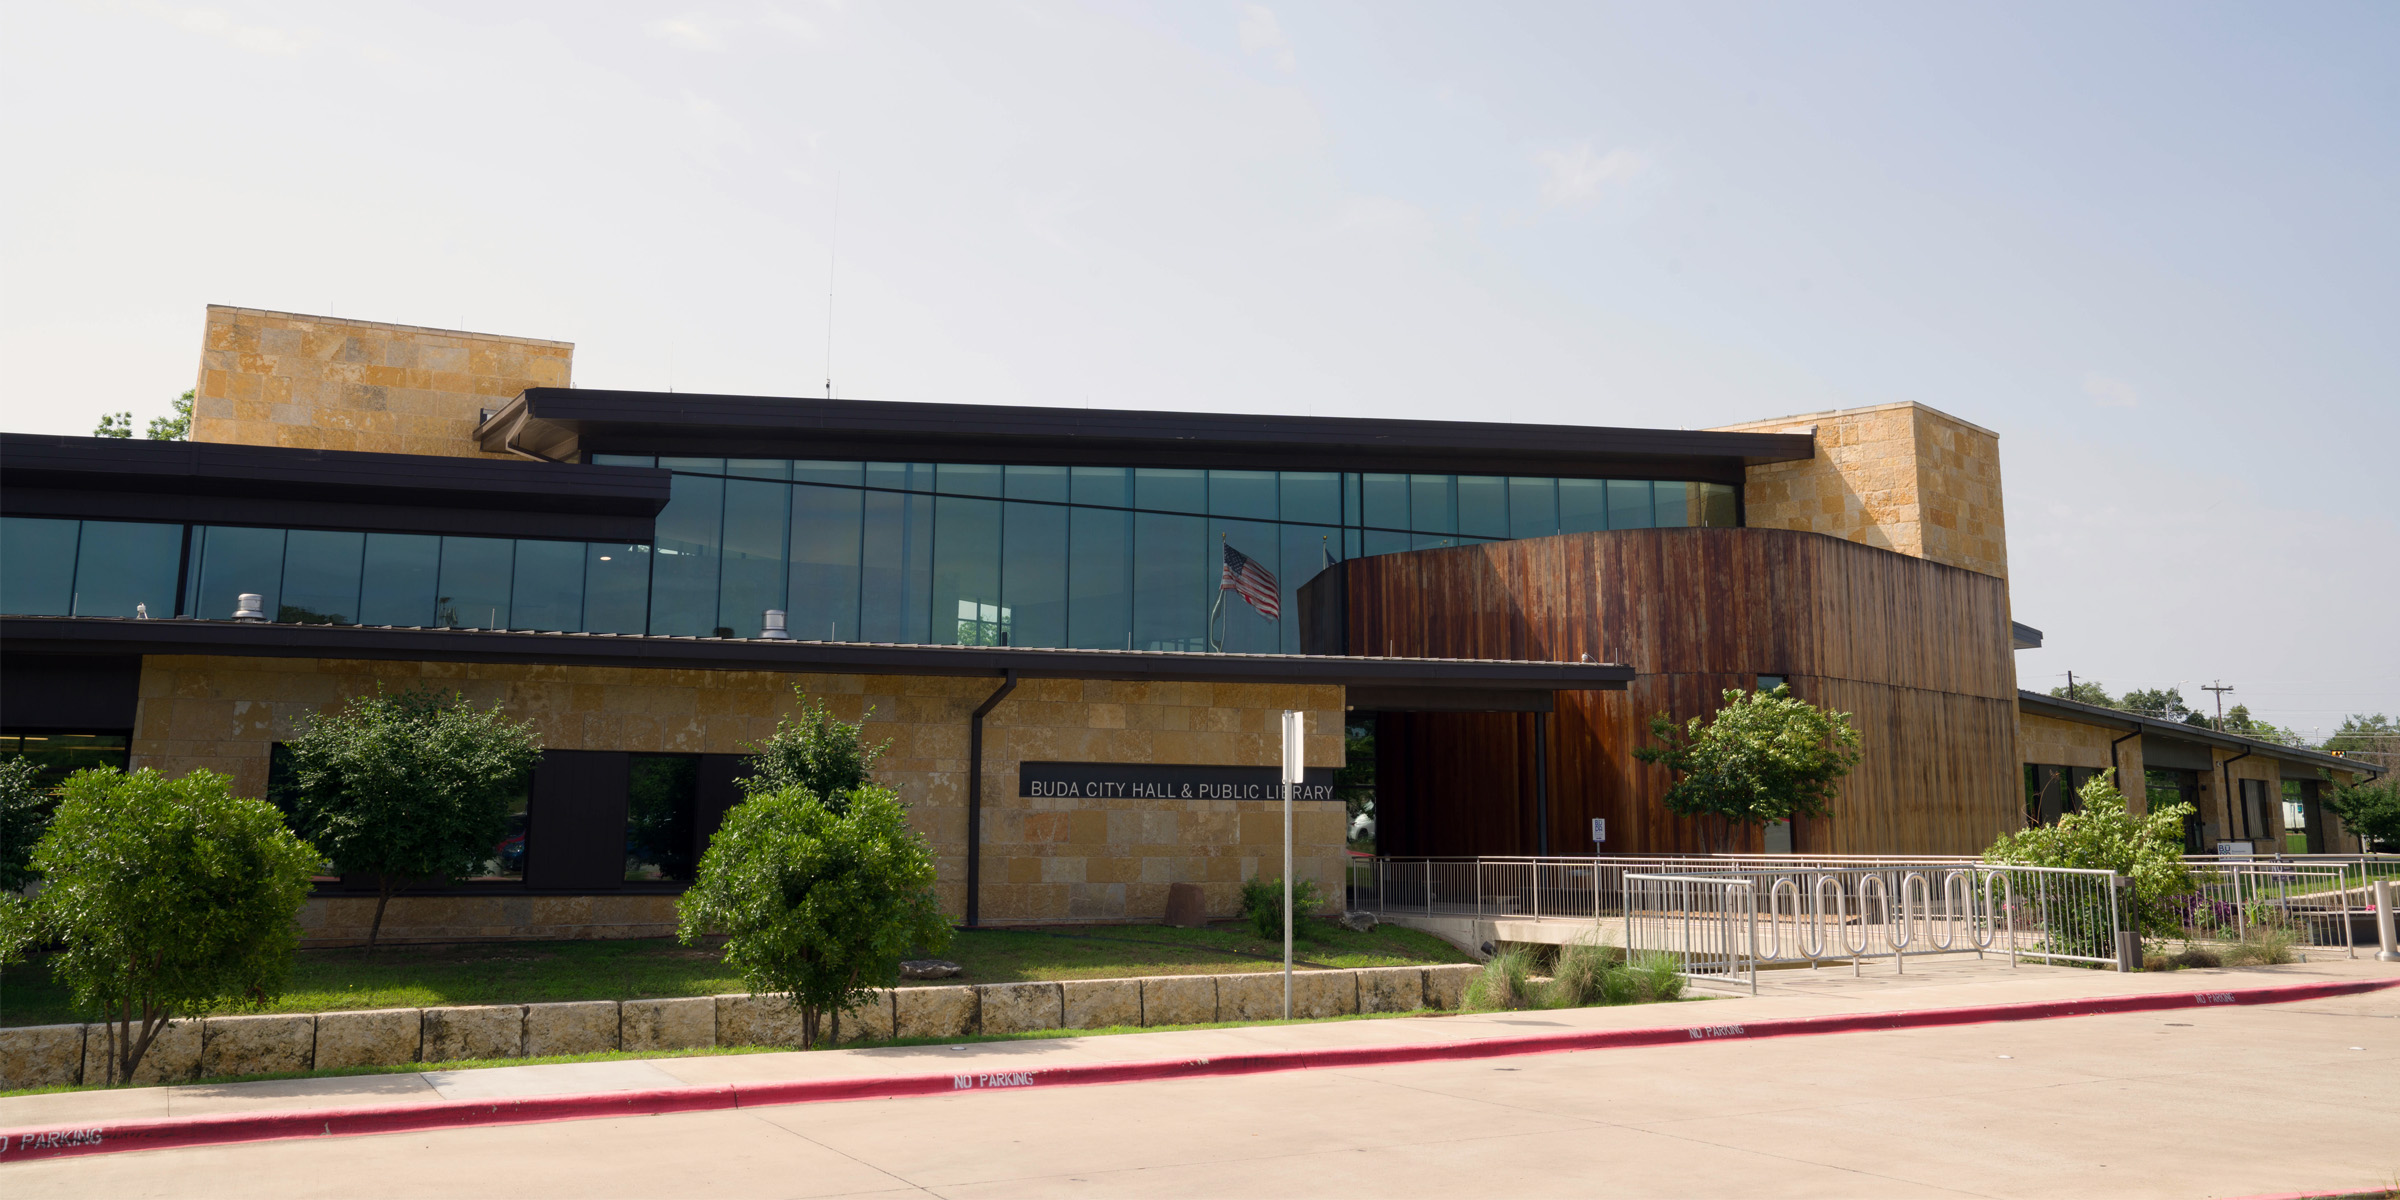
(168, 896)
(811, 750)
(1765, 756)
(407, 787)
(2103, 835)
(2372, 811)
(1262, 903)
(24, 812)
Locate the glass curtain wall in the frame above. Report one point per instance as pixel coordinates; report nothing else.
(1106, 558)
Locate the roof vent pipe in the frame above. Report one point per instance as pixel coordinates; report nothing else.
(771, 626)
(250, 606)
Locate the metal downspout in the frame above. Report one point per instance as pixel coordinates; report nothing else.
(975, 796)
(2117, 774)
(1541, 784)
(2225, 791)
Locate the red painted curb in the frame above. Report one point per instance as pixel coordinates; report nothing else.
(170, 1132)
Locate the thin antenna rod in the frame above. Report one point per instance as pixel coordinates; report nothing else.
(830, 239)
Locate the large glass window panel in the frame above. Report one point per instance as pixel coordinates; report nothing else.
(1385, 541)
(1431, 506)
(967, 479)
(1110, 486)
(1241, 628)
(662, 796)
(1353, 499)
(1099, 578)
(397, 585)
(906, 477)
(624, 460)
(756, 540)
(1386, 498)
(122, 564)
(1483, 505)
(1174, 579)
(474, 592)
(507, 861)
(683, 562)
(1170, 489)
(321, 573)
(847, 474)
(1037, 483)
(233, 560)
(759, 468)
(616, 587)
(1582, 505)
(824, 579)
(37, 566)
(702, 466)
(1719, 506)
(548, 589)
(1033, 571)
(1246, 494)
(1305, 551)
(1312, 496)
(1672, 505)
(1532, 506)
(967, 608)
(896, 567)
(1629, 504)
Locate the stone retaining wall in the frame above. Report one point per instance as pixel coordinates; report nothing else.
(48, 1055)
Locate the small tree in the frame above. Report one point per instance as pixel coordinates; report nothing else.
(407, 787)
(811, 750)
(2102, 834)
(816, 879)
(2372, 811)
(24, 812)
(1764, 757)
(169, 896)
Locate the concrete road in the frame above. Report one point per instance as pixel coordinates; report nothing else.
(2187, 1103)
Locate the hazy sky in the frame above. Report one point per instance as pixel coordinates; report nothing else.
(2153, 246)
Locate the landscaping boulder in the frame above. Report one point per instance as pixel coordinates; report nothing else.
(375, 1037)
(1391, 989)
(1179, 999)
(1445, 986)
(40, 1056)
(174, 1055)
(1187, 905)
(1101, 1003)
(1358, 922)
(474, 1031)
(934, 1012)
(258, 1045)
(681, 1024)
(1020, 1007)
(928, 968)
(573, 1027)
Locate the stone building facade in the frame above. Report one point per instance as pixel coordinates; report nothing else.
(1902, 477)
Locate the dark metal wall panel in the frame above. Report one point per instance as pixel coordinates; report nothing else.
(718, 793)
(575, 823)
(69, 693)
(2160, 751)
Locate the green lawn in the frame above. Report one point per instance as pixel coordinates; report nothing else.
(537, 972)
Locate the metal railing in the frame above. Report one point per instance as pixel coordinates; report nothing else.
(1708, 923)
(2318, 904)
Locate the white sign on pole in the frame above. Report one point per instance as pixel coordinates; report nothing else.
(1295, 736)
(1599, 829)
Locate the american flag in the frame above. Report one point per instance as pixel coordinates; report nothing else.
(1255, 583)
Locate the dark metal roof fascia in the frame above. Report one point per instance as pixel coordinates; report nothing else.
(2023, 636)
(571, 422)
(2113, 718)
(119, 635)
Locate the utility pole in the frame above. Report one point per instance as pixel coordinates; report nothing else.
(2220, 690)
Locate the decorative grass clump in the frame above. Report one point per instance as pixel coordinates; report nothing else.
(1581, 975)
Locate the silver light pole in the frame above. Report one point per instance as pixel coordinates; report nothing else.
(1295, 732)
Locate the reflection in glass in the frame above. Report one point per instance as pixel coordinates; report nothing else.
(1719, 505)
(58, 755)
(1248, 494)
(1629, 504)
(549, 586)
(754, 572)
(1671, 506)
(1386, 501)
(1532, 507)
(1170, 489)
(824, 573)
(474, 590)
(1242, 629)
(845, 474)
(37, 566)
(683, 570)
(1037, 483)
(616, 587)
(507, 861)
(121, 564)
(896, 567)
(321, 573)
(966, 573)
(967, 479)
(1582, 505)
(663, 795)
(1483, 506)
(1033, 570)
(397, 584)
(1306, 549)
(1312, 496)
(1109, 486)
(234, 560)
(1099, 578)
(1430, 506)
(1174, 579)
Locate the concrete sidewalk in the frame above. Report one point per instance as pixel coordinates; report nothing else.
(1830, 992)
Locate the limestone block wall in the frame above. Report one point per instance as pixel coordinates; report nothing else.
(2074, 744)
(287, 379)
(1043, 860)
(2220, 795)
(1899, 477)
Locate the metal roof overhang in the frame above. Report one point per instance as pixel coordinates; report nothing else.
(132, 479)
(565, 424)
(2152, 727)
(119, 635)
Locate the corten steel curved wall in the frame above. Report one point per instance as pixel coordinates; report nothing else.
(1918, 653)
